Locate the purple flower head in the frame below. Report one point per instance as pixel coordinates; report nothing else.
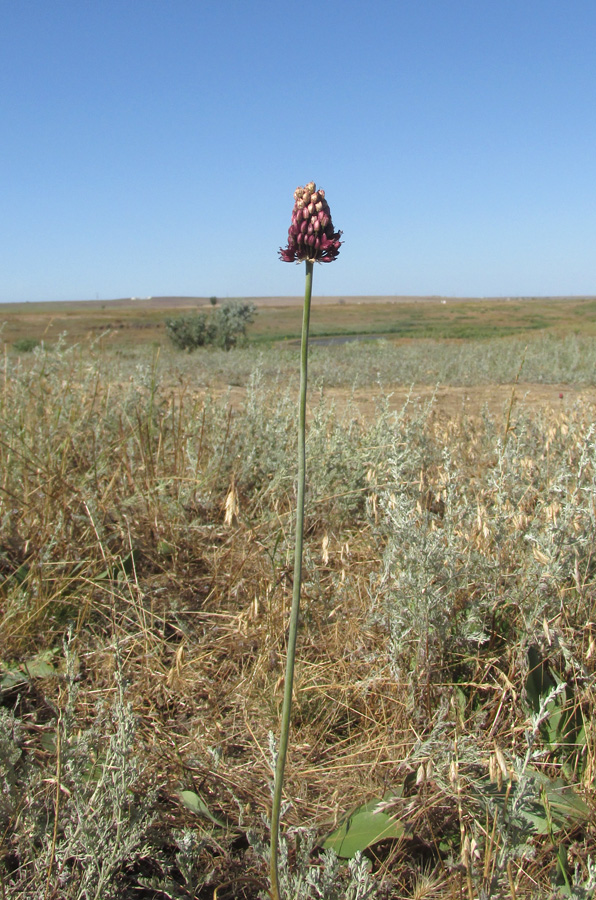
(311, 235)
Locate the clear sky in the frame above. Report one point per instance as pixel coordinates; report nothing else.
(152, 147)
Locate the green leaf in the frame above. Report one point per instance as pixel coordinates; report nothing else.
(21, 573)
(539, 682)
(39, 666)
(48, 741)
(563, 729)
(11, 677)
(165, 548)
(197, 805)
(565, 806)
(361, 829)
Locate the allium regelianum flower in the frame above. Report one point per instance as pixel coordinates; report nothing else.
(311, 236)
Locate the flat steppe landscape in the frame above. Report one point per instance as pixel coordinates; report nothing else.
(130, 320)
(444, 705)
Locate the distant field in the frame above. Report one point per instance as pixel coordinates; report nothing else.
(279, 318)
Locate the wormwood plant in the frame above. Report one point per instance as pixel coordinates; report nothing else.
(226, 328)
(74, 834)
(311, 237)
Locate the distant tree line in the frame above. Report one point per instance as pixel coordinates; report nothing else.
(225, 327)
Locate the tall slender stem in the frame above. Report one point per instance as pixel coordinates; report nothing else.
(293, 630)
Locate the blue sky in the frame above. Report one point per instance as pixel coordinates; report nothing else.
(152, 147)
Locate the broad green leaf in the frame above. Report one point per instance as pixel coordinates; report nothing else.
(21, 573)
(565, 806)
(165, 548)
(361, 829)
(39, 668)
(539, 682)
(563, 729)
(11, 677)
(48, 741)
(197, 805)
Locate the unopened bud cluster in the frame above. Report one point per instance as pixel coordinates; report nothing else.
(311, 235)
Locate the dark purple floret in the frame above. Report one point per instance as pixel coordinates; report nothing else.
(311, 235)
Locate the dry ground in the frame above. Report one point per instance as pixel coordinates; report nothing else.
(450, 401)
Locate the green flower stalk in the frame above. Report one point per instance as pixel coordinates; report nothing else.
(311, 238)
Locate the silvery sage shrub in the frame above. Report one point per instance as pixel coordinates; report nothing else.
(226, 328)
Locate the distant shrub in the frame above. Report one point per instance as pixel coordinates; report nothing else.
(226, 328)
(25, 345)
(231, 321)
(190, 332)
(213, 301)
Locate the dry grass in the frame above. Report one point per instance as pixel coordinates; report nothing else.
(154, 521)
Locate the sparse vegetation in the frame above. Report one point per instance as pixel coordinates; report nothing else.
(446, 645)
